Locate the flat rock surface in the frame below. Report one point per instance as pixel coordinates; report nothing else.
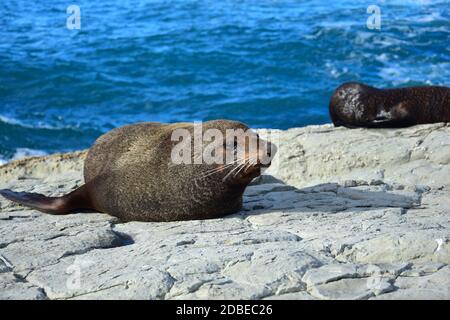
(341, 214)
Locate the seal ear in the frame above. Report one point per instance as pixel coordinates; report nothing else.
(77, 199)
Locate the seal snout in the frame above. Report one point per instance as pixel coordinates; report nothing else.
(258, 159)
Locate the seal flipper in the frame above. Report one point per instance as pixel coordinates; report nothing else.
(398, 116)
(76, 200)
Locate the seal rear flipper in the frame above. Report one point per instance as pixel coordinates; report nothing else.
(76, 200)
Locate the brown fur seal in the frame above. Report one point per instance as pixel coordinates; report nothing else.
(129, 173)
(358, 105)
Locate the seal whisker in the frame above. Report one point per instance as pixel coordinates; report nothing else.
(216, 170)
(246, 165)
(231, 171)
(242, 166)
(250, 162)
(225, 166)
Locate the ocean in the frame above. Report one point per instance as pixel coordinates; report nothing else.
(268, 63)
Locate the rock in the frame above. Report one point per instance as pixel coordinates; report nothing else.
(418, 270)
(329, 273)
(13, 288)
(349, 281)
(23, 242)
(348, 289)
(428, 287)
(5, 266)
(315, 154)
(405, 246)
(341, 214)
(302, 295)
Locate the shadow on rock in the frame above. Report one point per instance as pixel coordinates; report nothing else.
(270, 194)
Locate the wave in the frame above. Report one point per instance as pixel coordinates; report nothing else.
(21, 153)
(16, 122)
(401, 74)
(18, 140)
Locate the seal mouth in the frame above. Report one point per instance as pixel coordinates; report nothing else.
(256, 169)
(264, 165)
(252, 172)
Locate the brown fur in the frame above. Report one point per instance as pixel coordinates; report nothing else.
(129, 174)
(358, 105)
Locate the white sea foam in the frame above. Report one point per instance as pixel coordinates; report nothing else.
(335, 72)
(429, 74)
(39, 125)
(433, 16)
(26, 152)
(8, 120)
(21, 153)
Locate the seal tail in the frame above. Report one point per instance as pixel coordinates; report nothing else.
(76, 200)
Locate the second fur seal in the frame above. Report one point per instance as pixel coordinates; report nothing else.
(358, 105)
(130, 173)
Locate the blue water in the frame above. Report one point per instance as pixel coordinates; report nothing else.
(269, 63)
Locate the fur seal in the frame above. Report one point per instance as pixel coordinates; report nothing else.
(129, 173)
(358, 105)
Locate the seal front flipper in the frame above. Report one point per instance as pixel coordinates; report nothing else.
(398, 116)
(76, 200)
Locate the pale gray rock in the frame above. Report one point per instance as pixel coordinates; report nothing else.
(406, 246)
(417, 155)
(349, 281)
(302, 295)
(346, 289)
(13, 288)
(418, 270)
(329, 273)
(341, 214)
(425, 287)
